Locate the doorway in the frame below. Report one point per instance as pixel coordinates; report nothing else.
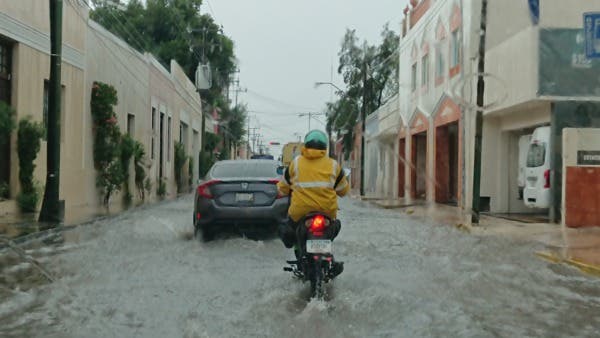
(446, 163)
(161, 145)
(5, 93)
(401, 166)
(419, 166)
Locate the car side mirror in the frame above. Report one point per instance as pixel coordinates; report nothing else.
(280, 170)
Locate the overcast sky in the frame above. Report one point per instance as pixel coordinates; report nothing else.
(284, 47)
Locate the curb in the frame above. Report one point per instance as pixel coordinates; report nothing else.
(589, 269)
(44, 234)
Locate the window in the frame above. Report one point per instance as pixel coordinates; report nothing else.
(169, 139)
(183, 135)
(455, 49)
(425, 71)
(536, 155)
(245, 169)
(4, 59)
(153, 132)
(131, 125)
(414, 77)
(439, 64)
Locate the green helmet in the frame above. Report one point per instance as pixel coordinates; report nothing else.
(316, 139)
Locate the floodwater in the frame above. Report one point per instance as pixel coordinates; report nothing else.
(142, 274)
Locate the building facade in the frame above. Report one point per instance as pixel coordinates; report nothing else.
(536, 75)
(157, 106)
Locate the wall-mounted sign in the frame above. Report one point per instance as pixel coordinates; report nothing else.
(588, 157)
(591, 22)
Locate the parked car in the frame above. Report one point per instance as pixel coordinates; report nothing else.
(537, 171)
(240, 195)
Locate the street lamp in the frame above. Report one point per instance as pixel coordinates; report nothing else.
(339, 90)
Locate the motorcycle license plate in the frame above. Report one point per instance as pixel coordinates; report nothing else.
(318, 246)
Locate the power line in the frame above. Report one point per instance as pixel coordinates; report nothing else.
(267, 98)
(211, 10)
(142, 96)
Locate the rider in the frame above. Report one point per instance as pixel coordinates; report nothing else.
(316, 180)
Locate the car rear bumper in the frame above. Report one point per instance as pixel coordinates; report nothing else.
(221, 216)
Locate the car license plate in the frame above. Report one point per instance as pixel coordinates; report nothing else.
(244, 197)
(318, 246)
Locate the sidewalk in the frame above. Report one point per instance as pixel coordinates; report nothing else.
(578, 247)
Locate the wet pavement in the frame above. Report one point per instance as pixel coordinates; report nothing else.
(407, 275)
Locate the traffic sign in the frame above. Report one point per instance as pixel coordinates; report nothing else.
(591, 26)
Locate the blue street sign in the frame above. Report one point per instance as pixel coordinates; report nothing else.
(591, 27)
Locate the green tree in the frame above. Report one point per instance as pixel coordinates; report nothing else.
(378, 64)
(173, 29)
(107, 140)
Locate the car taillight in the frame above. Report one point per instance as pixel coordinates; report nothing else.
(546, 179)
(204, 188)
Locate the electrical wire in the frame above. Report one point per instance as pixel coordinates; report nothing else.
(270, 99)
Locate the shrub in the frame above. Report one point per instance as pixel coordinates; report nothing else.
(4, 190)
(206, 161)
(190, 172)
(127, 150)
(147, 185)
(180, 158)
(139, 159)
(29, 138)
(28, 201)
(107, 140)
(161, 189)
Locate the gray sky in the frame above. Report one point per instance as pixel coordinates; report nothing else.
(284, 47)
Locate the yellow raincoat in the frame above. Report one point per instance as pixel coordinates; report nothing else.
(312, 177)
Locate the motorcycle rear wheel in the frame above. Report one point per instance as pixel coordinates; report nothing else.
(317, 286)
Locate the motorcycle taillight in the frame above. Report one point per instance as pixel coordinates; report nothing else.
(317, 223)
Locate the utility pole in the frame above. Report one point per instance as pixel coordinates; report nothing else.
(310, 116)
(479, 117)
(52, 208)
(363, 118)
(248, 140)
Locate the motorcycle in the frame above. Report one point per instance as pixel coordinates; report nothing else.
(315, 262)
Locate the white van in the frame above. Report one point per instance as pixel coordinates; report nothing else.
(537, 170)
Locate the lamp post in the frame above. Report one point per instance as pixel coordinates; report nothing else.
(339, 92)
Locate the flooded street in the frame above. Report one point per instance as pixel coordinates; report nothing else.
(142, 274)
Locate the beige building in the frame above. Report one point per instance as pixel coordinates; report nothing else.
(157, 106)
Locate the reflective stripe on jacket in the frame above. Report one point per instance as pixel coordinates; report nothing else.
(312, 177)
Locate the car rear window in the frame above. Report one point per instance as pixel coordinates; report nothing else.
(536, 155)
(245, 169)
